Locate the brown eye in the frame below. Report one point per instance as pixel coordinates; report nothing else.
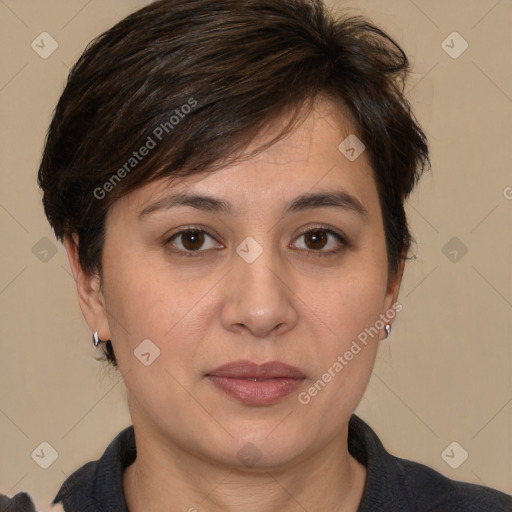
(317, 240)
(191, 240)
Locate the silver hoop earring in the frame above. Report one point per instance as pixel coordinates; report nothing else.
(388, 330)
(96, 339)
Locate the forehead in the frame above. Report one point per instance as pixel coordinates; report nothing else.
(307, 159)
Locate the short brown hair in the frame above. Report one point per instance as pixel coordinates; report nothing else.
(224, 70)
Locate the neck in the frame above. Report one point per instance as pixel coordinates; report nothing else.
(165, 477)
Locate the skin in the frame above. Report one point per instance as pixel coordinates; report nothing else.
(291, 305)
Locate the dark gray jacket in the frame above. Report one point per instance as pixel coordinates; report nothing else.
(393, 484)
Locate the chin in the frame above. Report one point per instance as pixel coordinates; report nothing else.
(259, 449)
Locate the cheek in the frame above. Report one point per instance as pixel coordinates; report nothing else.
(352, 300)
(146, 298)
(345, 312)
(344, 351)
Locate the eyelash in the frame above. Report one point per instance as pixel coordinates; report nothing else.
(341, 238)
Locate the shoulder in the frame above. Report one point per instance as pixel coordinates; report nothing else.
(22, 502)
(394, 484)
(100, 482)
(442, 494)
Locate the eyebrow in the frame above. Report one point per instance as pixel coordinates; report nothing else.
(336, 198)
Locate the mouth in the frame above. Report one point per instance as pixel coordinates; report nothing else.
(256, 384)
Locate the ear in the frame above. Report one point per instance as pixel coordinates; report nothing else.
(90, 296)
(392, 291)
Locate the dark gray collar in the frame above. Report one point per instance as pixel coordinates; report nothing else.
(392, 484)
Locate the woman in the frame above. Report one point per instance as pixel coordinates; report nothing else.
(228, 180)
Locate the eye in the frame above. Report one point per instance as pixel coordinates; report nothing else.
(191, 240)
(319, 238)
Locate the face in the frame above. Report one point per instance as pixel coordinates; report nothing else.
(267, 278)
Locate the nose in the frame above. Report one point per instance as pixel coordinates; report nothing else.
(259, 297)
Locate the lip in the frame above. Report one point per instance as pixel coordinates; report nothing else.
(275, 381)
(245, 369)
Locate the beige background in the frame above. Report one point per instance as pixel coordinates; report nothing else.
(444, 375)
